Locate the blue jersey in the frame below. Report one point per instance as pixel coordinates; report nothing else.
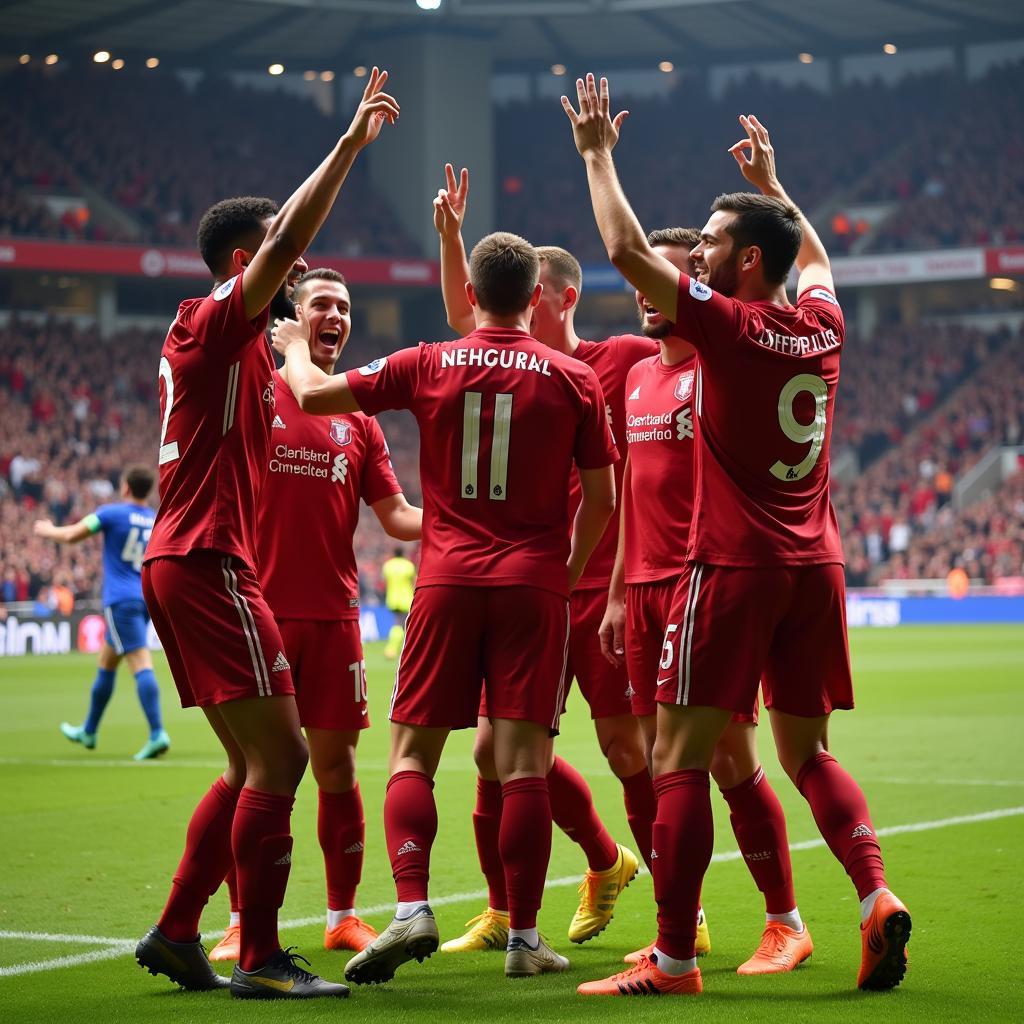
(126, 528)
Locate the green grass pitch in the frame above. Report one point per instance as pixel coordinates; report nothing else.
(90, 841)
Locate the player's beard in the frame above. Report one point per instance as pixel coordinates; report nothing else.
(726, 278)
(282, 307)
(662, 329)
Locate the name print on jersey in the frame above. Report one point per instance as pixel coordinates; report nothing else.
(508, 359)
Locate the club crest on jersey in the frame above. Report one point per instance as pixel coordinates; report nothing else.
(373, 367)
(341, 433)
(684, 386)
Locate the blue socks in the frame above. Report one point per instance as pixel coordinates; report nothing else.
(102, 688)
(149, 697)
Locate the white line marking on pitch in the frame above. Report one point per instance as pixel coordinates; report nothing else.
(117, 947)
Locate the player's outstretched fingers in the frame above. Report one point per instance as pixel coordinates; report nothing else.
(581, 95)
(569, 110)
(595, 102)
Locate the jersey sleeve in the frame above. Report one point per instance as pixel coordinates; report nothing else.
(386, 383)
(378, 479)
(631, 348)
(825, 306)
(704, 317)
(219, 323)
(595, 447)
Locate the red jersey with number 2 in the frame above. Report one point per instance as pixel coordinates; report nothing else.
(765, 396)
(502, 420)
(319, 469)
(216, 407)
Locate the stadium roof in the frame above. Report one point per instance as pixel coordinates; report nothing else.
(339, 34)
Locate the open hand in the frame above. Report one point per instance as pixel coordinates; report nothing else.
(593, 128)
(450, 204)
(759, 167)
(374, 109)
(286, 333)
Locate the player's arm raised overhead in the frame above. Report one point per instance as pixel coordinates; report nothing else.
(303, 213)
(314, 390)
(756, 158)
(74, 533)
(596, 133)
(449, 212)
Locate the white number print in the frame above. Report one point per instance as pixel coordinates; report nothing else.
(667, 650)
(471, 409)
(812, 433)
(168, 449)
(135, 547)
(358, 670)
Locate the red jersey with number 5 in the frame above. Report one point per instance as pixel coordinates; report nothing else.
(216, 406)
(319, 469)
(765, 395)
(502, 419)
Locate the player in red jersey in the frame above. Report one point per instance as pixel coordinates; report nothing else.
(310, 580)
(605, 686)
(502, 419)
(223, 646)
(657, 503)
(764, 560)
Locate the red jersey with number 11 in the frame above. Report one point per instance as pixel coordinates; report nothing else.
(502, 419)
(765, 393)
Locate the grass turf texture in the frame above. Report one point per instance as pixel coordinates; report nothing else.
(91, 840)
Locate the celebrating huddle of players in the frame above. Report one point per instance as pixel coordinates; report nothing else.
(649, 515)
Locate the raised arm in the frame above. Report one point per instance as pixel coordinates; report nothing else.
(73, 534)
(314, 390)
(449, 213)
(756, 159)
(596, 133)
(303, 213)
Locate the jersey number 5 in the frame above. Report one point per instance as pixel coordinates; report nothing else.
(471, 407)
(812, 433)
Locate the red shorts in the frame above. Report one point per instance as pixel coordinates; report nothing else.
(785, 626)
(456, 638)
(604, 686)
(218, 632)
(329, 672)
(648, 606)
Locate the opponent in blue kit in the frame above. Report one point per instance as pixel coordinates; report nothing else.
(126, 526)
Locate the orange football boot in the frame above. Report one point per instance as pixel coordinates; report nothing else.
(351, 933)
(644, 979)
(638, 955)
(781, 949)
(229, 947)
(883, 938)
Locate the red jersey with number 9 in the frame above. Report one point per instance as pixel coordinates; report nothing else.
(502, 420)
(765, 394)
(216, 407)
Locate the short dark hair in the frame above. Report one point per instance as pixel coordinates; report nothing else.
(685, 238)
(770, 224)
(503, 269)
(140, 480)
(318, 274)
(563, 265)
(231, 224)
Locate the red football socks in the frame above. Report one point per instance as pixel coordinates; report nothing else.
(841, 814)
(341, 829)
(525, 845)
(487, 827)
(572, 809)
(261, 842)
(410, 825)
(683, 837)
(203, 865)
(760, 829)
(641, 810)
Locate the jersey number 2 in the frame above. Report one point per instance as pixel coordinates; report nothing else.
(169, 449)
(812, 433)
(472, 405)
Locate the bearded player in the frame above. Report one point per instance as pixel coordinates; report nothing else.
(502, 420)
(764, 559)
(310, 580)
(657, 504)
(200, 583)
(610, 867)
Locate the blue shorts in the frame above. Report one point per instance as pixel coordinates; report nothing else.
(127, 625)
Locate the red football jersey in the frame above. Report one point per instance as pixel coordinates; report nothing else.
(659, 439)
(502, 419)
(765, 393)
(319, 467)
(216, 404)
(611, 360)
